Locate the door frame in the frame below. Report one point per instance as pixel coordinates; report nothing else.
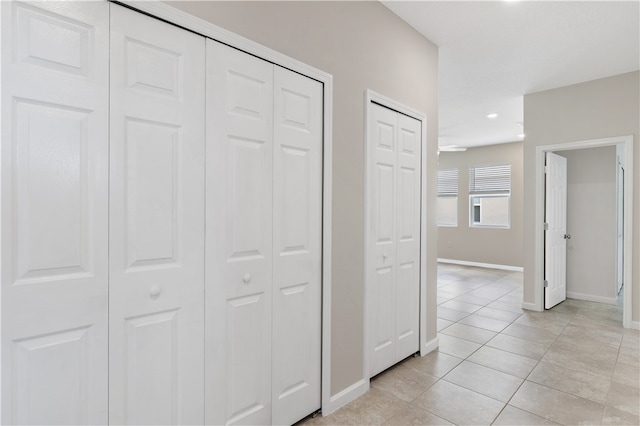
(190, 22)
(627, 143)
(424, 346)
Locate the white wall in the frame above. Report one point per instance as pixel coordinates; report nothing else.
(592, 223)
(484, 245)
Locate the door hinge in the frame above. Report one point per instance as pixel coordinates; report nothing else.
(546, 226)
(546, 283)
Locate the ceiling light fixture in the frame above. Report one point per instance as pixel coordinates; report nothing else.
(492, 115)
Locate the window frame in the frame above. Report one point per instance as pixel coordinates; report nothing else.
(480, 189)
(474, 224)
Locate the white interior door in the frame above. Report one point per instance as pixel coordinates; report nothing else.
(238, 236)
(555, 253)
(620, 227)
(54, 212)
(297, 244)
(408, 237)
(156, 347)
(393, 190)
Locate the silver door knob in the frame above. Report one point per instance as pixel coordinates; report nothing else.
(567, 236)
(246, 279)
(154, 292)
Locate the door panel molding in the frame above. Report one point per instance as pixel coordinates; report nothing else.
(405, 149)
(207, 29)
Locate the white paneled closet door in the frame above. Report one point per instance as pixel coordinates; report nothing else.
(54, 212)
(239, 236)
(394, 236)
(156, 347)
(263, 267)
(297, 246)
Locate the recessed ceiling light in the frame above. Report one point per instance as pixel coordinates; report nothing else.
(492, 115)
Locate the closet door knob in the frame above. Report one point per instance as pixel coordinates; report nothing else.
(246, 279)
(154, 292)
(384, 256)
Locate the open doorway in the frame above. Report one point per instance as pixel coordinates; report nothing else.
(620, 149)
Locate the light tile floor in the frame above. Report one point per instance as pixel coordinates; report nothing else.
(498, 364)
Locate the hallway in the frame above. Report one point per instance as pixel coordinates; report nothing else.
(498, 364)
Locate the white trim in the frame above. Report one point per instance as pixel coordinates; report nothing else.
(531, 307)
(2, 236)
(482, 265)
(170, 14)
(591, 298)
(345, 396)
(430, 346)
(371, 96)
(538, 255)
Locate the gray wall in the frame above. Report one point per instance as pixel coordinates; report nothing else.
(592, 223)
(364, 46)
(484, 245)
(597, 109)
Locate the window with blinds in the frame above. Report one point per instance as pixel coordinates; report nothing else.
(490, 179)
(448, 197)
(490, 196)
(448, 182)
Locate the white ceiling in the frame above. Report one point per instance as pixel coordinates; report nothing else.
(491, 53)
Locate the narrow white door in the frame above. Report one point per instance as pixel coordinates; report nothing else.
(408, 237)
(297, 229)
(393, 251)
(620, 227)
(238, 237)
(555, 263)
(156, 290)
(54, 212)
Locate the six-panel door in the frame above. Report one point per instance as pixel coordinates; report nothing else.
(55, 140)
(239, 236)
(156, 262)
(394, 159)
(297, 244)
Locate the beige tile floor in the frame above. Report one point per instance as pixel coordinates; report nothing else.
(498, 364)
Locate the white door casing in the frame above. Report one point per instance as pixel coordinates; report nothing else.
(556, 233)
(156, 284)
(297, 245)
(393, 190)
(54, 212)
(239, 236)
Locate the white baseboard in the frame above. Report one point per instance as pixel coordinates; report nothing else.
(591, 298)
(635, 325)
(482, 265)
(530, 307)
(430, 346)
(345, 396)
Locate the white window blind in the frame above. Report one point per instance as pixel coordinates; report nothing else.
(448, 182)
(490, 179)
